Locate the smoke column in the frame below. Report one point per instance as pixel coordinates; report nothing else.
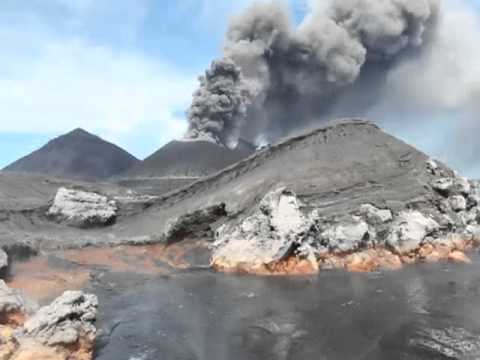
(343, 59)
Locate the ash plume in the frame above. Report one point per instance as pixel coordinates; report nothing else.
(219, 106)
(338, 61)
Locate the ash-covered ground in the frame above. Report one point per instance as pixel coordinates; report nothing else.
(345, 196)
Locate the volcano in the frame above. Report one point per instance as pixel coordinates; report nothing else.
(77, 154)
(190, 159)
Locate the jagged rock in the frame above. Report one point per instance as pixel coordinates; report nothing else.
(432, 166)
(346, 236)
(374, 215)
(63, 330)
(13, 304)
(473, 201)
(443, 186)
(461, 186)
(196, 224)
(409, 230)
(265, 237)
(82, 209)
(458, 203)
(69, 318)
(3, 261)
(473, 231)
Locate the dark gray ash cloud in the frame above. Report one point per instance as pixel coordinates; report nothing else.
(346, 58)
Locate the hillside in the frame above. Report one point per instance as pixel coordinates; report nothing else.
(190, 159)
(77, 154)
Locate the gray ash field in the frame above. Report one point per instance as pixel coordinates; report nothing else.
(161, 298)
(333, 169)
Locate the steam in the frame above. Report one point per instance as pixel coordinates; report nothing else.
(343, 59)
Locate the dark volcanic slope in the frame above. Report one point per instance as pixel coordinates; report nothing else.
(190, 159)
(334, 169)
(76, 154)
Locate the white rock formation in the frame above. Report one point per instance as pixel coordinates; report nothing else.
(374, 215)
(266, 236)
(64, 321)
(346, 236)
(409, 230)
(458, 203)
(12, 301)
(462, 186)
(443, 185)
(83, 209)
(432, 165)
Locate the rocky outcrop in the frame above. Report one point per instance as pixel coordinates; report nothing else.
(63, 330)
(346, 236)
(265, 237)
(409, 230)
(196, 224)
(65, 321)
(82, 209)
(282, 236)
(14, 307)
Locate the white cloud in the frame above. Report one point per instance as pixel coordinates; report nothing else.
(74, 84)
(54, 78)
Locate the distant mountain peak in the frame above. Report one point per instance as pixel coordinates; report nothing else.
(78, 154)
(80, 132)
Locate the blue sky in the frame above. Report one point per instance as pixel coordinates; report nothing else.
(123, 69)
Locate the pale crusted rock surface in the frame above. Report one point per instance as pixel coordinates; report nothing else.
(347, 236)
(264, 237)
(63, 330)
(409, 230)
(375, 216)
(81, 208)
(443, 185)
(458, 203)
(462, 186)
(63, 322)
(11, 301)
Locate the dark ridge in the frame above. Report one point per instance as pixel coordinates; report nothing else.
(190, 159)
(77, 154)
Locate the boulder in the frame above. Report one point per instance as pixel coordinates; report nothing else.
(374, 215)
(196, 224)
(443, 185)
(458, 203)
(346, 236)
(13, 304)
(432, 166)
(473, 200)
(82, 209)
(462, 186)
(65, 322)
(409, 230)
(63, 330)
(265, 237)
